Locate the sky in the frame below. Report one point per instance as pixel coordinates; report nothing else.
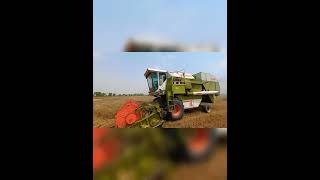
(124, 72)
(184, 21)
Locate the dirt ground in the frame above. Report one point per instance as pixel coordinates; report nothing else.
(104, 109)
(215, 168)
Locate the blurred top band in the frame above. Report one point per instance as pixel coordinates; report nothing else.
(139, 45)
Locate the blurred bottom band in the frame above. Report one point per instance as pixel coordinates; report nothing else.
(151, 153)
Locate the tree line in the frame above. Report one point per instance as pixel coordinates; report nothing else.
(100, 94)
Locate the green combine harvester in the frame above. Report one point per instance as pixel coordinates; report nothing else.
(174, 92)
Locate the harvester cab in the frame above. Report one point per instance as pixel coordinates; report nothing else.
(156, 79)
(174, 91)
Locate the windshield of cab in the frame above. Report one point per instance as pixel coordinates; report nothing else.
(153, 81)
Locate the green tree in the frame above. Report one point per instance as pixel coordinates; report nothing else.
(110, 94)
(98, 94)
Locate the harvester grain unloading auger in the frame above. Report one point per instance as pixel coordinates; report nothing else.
(174, 92)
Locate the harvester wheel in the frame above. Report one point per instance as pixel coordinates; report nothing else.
(200, 145)
(178, 111)
(192, 145)
(206, 108)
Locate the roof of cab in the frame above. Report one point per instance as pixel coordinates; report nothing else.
(149, 70)
(175, 74)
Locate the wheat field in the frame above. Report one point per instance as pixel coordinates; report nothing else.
(104, 109)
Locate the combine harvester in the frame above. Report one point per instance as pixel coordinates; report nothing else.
(174, 92)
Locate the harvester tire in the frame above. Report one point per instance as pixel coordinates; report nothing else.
(210, 139)
(185, 148)
(206, 108)
(178, 111)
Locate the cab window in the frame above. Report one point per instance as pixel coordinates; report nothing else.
(162, 78)
(154, 77)
(149, 82)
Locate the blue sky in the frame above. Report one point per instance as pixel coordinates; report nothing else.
(185, 21)
(123, 72)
